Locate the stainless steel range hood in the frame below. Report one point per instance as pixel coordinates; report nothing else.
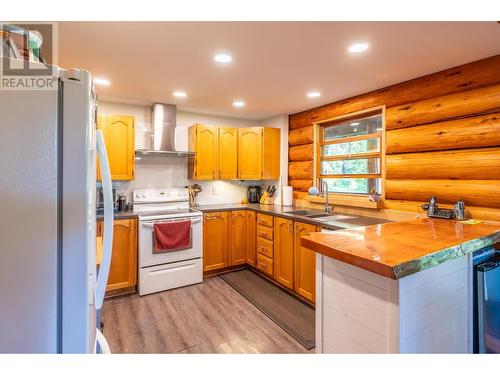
(163, 124)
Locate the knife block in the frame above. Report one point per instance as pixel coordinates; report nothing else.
(268, 200)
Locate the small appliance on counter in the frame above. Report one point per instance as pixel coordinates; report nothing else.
(254, 194)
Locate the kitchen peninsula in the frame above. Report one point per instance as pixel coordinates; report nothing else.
(401, 287)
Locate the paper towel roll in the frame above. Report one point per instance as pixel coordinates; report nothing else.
(287, 192)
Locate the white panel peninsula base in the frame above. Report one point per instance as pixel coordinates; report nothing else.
(358, 311)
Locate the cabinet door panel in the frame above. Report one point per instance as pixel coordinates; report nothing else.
(250, 153)
(118, 133)
(238, 235)
(283, 251)
(206, 152)
(251, 229)
(123, 270)
(305, 264)
(228, 154)
(215, 241)
(271, 154)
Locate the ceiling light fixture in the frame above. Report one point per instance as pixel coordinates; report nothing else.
(239, 103)
(179, 94)
(358, 47)
(354, 123)
(313, 94)
(223, 58)
(102, 81)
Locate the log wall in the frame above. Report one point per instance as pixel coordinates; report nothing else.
(442, 138)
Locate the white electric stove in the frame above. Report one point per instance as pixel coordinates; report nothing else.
(163, 271)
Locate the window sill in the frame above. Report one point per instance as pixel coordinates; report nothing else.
(352, 200)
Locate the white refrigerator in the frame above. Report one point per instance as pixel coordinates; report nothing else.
(50, 289)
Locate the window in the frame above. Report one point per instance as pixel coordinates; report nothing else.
(350, 154)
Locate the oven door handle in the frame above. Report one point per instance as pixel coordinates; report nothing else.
(150, 225)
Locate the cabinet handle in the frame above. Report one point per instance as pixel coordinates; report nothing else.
(212, 217)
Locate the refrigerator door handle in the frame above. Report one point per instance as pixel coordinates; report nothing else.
(107, 247)
(102, 342)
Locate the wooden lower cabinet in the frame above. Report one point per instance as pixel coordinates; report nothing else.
(216, 253)
(269, 244)
(238, 237)
(304, 263)
(123, 269)
(283, 251)
(251, 241)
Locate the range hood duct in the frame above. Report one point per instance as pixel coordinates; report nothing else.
(163, 124)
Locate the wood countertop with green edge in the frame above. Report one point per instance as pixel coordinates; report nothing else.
(399, 249)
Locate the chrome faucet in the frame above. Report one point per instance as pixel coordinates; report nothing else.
(328, 208)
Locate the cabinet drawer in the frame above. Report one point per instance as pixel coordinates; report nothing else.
(265, 232)
(265, 264)
(266, 220)
(265, 247)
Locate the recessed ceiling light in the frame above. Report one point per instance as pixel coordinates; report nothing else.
(313, 94)
(101, 81)
(239, 103)
(179, 94)
(223, 58)
(358, 47)
(354, 123)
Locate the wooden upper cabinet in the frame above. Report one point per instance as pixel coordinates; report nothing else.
(250, 153)
(283, 251)
(118, 133)
(123, 270)
(238, 237)
(228, 154)
(271, 153)
(251, 231)
(204, 141)
(305, 263)
(216, 252)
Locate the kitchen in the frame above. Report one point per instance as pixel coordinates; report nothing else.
(236, 220)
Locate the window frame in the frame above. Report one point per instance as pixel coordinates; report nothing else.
(320, 126)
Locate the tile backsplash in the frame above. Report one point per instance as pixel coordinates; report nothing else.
(172, 172)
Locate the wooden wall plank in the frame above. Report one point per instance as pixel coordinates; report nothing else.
(301, 153)
(301, 185)
(301, 136)
(470, 76)
(474, 164)
(479, 131)
(482, 193)
(441, 108)
(482, 213)
(301, 170)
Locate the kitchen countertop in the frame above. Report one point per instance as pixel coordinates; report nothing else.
(342, 221)
(119, 215)
(399, 249)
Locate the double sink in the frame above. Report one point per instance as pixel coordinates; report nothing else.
(318, 216)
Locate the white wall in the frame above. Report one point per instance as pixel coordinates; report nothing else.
(172, 172)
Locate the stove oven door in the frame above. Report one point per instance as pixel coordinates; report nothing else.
(147, 256)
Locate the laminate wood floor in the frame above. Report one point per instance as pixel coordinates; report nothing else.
(210, 317)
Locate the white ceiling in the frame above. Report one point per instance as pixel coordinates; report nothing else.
(274, 63)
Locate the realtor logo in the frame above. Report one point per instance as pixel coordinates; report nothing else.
(29, 55)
